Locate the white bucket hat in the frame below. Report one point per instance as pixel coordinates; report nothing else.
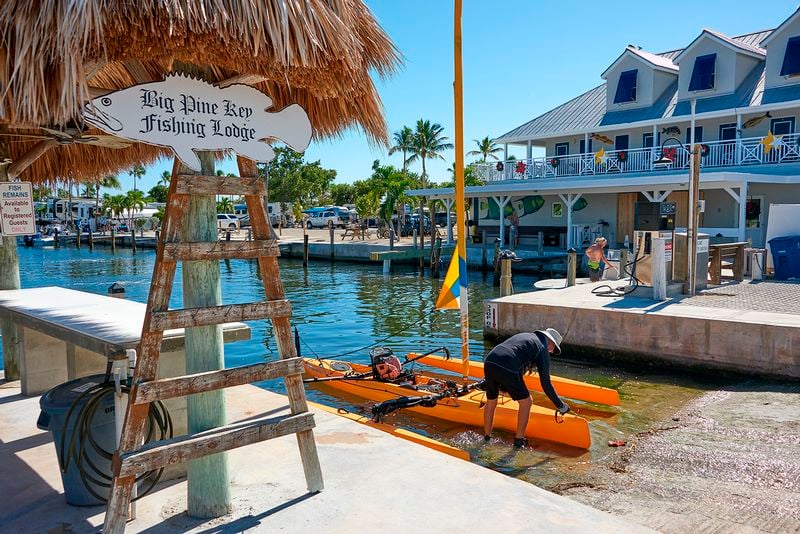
(553, 335)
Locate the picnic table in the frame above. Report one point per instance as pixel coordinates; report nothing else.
(356, 231)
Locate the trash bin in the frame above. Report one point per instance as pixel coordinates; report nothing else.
(786, 256)
(55, 406)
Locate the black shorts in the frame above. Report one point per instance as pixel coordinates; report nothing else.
(499, 378)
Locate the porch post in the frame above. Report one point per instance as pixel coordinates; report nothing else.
(742, 210)
(448, 202)
(529, 152)
(653, 154)
(505, 152)
(569, 201)
(501, 202)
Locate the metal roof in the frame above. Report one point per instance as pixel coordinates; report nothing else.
(588, 110)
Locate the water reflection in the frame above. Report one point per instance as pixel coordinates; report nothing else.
(341, 307)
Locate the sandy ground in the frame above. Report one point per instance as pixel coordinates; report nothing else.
(727, 462)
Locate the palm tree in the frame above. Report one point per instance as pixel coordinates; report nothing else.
(487, 148)
(403, 142)
(166, 176)
(137, 172)
(225, 205)
(110, 182)
(134, 201)
(429, 142)
(114, 205)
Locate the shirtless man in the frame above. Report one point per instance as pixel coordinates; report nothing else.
(596, 255)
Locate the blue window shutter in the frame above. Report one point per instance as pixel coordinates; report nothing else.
(703, 73)
(626, 88)
(791, 59)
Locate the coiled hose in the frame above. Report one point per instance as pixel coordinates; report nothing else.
(606, 290)
(76, 446)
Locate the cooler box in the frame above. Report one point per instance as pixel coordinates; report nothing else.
(786, 256)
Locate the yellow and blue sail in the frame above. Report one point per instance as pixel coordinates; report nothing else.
(456, 278)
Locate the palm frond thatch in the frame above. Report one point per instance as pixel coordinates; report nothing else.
(58, 53)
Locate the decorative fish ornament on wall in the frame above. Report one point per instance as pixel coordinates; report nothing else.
(756, 120)
(671, 130)
(602, 138)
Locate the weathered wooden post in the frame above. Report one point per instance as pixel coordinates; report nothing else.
(91, 239)
(133, 238)
(305, 249)
(484, 252)
(158, 236)
(623, 263)
(78, 236)
(436, 257)
(572, 267)
(540, 243)
(208, 479)
(391, 237)
(333, 253)
(506, 287)
(496, 263)
(9, 279)
(249, 234)
(512, 237)
(659, 269)
(414, 235)
(227, 235)
(113, 239)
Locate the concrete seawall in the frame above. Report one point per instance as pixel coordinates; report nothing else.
(642, 330)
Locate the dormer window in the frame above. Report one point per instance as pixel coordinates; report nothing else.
(703, 73)
(626, 88)
(791, 59)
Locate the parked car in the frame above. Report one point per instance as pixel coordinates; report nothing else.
(244, 221)
(412, 223)
(227, 221)
(325, 219)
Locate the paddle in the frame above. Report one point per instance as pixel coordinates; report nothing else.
(358, 376)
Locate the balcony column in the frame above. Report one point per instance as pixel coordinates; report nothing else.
(569, 201)
(653, 155)
(505, 161)
(738, 152)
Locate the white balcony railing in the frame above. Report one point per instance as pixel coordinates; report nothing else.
(739, 152)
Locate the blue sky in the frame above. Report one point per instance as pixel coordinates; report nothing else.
(521, 59)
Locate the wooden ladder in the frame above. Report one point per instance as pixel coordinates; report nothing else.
(133, 459)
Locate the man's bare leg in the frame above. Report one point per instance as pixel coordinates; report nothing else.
(488, 416)
(523, 414)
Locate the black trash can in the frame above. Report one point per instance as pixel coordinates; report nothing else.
(93, 447)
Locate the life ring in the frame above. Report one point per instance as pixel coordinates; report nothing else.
(499, 166)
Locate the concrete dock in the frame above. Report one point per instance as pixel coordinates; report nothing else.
(373, 482)
(751, 328)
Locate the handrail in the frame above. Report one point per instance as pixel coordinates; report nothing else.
(720, 153)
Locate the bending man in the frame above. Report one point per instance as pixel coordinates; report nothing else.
(503, 369)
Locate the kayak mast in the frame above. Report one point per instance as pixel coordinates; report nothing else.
(461, 243)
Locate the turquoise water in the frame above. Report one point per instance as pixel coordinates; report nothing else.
(342, 307)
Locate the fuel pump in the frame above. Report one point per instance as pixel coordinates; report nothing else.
(651, 220)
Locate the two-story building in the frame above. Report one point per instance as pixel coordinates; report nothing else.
(739, 97)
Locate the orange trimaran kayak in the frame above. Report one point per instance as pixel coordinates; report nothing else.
(542, 425)
(565, 387)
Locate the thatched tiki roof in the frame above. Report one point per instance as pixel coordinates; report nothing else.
(58, 54)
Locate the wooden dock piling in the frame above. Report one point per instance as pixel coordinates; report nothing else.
(78, 237)
(305, 249)
(113, 239)
(506, 286)
(572, 267)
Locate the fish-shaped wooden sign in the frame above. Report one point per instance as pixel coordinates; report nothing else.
(671, 130)
(187, 114)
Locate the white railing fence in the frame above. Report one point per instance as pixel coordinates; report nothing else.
(749, 151)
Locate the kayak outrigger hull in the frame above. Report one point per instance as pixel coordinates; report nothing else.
(565, 387)
(468, 410)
